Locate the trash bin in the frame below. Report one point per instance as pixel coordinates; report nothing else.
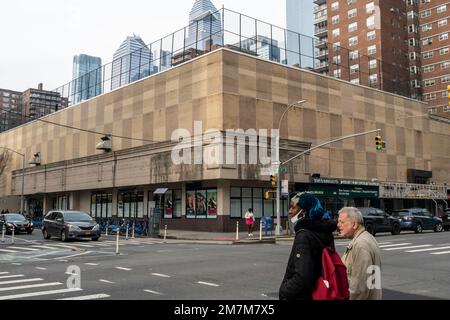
(267, 224)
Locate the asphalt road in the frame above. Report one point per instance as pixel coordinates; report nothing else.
(414, 267)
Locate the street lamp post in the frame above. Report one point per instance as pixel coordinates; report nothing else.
(277, 165)
(23, 177)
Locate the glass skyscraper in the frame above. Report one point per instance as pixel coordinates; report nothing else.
(299, 20)
(132, 61)
(87, 77)
(205, 23)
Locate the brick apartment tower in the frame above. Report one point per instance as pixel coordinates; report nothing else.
(393, 45)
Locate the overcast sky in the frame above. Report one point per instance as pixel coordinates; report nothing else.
(39, 38)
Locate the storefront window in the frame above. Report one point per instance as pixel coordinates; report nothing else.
(101, 205)
(170, 203)
(243, 199)
(201, 204)
(130, 204)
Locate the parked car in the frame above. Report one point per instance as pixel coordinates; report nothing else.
(67, 225)
(376, 220)
(446, 220)
(418, 219)
(16, 221)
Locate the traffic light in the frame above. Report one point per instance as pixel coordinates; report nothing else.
(267, 195)
(273, 181)
(379, 142)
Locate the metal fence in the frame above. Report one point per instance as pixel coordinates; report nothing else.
(230, 29)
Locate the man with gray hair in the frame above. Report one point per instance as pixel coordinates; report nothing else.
(362, 257)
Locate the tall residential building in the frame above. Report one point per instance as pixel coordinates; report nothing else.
(132, 61)
(429, 28)
(321, 33)
(299, 21)
(367, 43)
(10, 109)
(37, 103)
(205, 23)
(87, 77)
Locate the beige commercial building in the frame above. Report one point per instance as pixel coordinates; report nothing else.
(226, 90)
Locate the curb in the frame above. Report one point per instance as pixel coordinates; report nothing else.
(250, 242)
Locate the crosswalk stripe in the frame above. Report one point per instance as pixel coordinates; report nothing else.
(91, 264)
(440, 253)
(411, 247)
(13, 276)
(45, 247)
(208, 284)
(64, 246)
(40, 268)
(426, 250)
(83, 245)
(32, 286)
(395, 245)
(62, 259)
(8, 251)
(106, 281)
(91, 297)
(2, 273)
(384, 243)
(154, 292)
(160, 275)
(22, 248)
(124, 269)
(37, 294)
(21, 281)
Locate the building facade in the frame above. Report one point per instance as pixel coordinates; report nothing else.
(37, 103)
(262, 47)
(221, 91)
(87, 77)
(10, 108)
(205, 23)
(132, 61)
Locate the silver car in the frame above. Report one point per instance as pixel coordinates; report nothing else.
(67, 225)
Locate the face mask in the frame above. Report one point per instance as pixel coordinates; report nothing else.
(295, 219)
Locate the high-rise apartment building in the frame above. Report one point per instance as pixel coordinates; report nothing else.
(132, 61)
(401, 47)
(205, 23)
(10, 109)
(17, 108)
(87, 77)
(431, 23)
(37, 103)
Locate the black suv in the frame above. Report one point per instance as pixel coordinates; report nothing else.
(376, 220)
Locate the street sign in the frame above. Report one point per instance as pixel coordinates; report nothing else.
(285, 187)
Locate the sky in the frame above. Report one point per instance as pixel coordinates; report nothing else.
(40, 38)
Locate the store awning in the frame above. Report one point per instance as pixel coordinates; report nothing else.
(161, 191)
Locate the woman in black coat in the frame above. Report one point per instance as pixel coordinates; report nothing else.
(312, 224)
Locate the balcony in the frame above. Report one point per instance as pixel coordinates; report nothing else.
(320, 8)
(322, 43)
(318, 18)
(322, 54)
(321, 31)
(320, 2)
(321, 66)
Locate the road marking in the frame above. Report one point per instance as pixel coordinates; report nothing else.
(161, 275)
(25, 249)
(37, 294)
(64, 246)
(124, 269)
(71, 256)
(40, 268)
(92, 264)
(2, 273)
(8, 251)
(10, 277)
(63, 261)
(440, 253)
(45, 247)
(164, 251)
(208, 284)
(154, 292)
(383, 243)
(46, 254)
(411, 247)
(83, 245)
(106, 281)
(431, 249)
(91, 297)
(16, 264)
(21, 281)
(395, 245)
(33, 286)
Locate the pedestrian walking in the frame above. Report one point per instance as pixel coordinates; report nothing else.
(314, 231)
(362, 257)
(250, 221)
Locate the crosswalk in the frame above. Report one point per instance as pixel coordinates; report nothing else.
(18, 286)
(409, 247)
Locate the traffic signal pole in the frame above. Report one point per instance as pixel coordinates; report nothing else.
(278, 228)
